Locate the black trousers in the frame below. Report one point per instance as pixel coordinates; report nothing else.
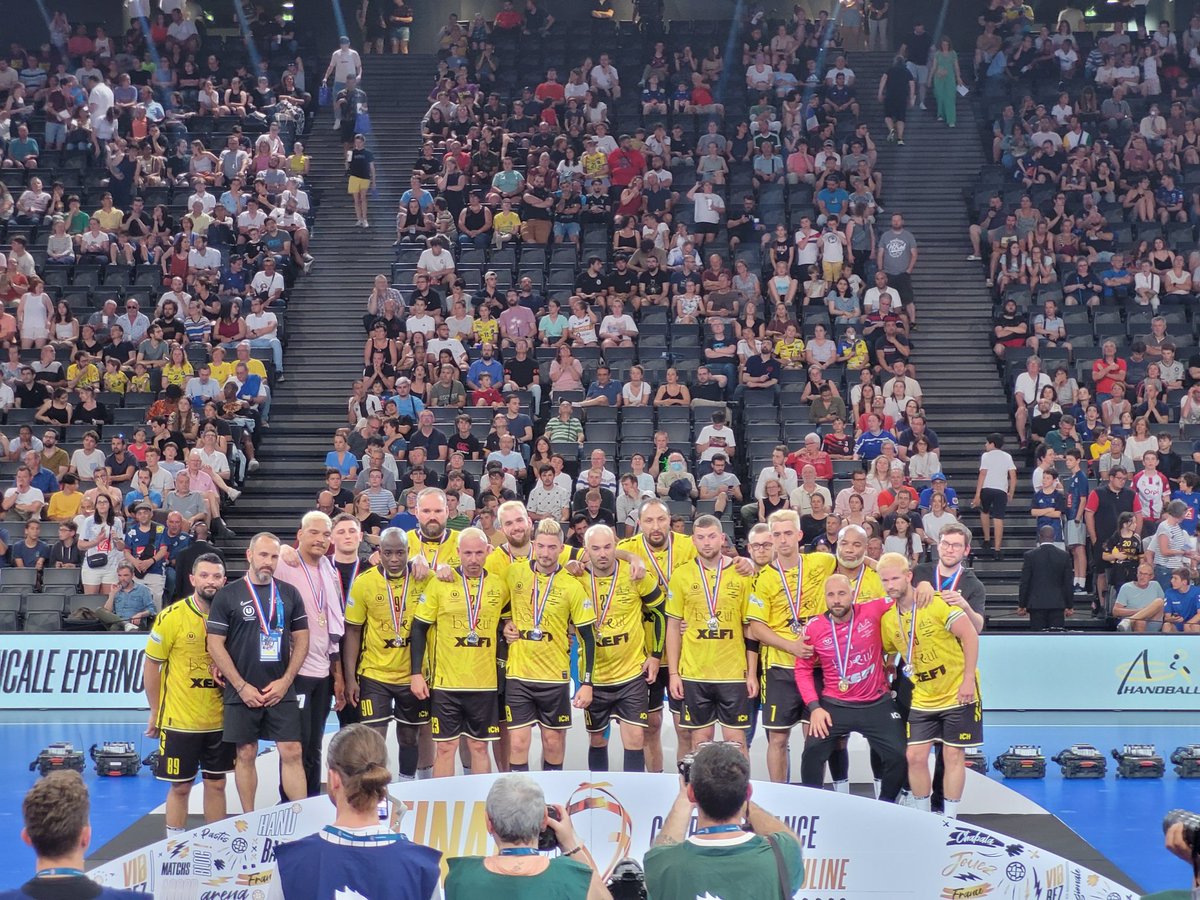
(880, 724)
(1045, 619)
(315, 696)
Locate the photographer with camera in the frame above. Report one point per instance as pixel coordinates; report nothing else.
(738, 849)
(523, 827)
(1182, 833)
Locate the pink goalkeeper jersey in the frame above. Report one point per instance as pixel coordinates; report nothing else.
(863, 670)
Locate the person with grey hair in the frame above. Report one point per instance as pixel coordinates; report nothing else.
(516, 814)
(738, 848)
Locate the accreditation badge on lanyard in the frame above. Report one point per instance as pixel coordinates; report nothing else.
(270, 623)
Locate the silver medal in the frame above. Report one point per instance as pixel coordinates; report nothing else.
(472, 639)
(796, 625)
(536, 634)
(908, 670)
(713, 624)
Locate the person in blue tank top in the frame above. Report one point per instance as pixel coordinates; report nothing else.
(58, 829)
(359, 854)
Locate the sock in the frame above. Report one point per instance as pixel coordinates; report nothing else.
(878, 788)
(921, 803)
(171, 832)
(424, 774)
(904, 798)
(551, 767)
(842, 787)
(951, 808)
(518, 767)
(408, 760)
(403, 777)
(635, 761)
(598, 759)
(839, 765)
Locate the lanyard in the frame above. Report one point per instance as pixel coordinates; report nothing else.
(663, 577)
(717, 829)
(912, 634)
(473, 608)
(795, 601)
(712, 597)
(539, 602)
(612, 590)
(318, 589)
(397, 612)
(950, 582)
(858, 582)
(363, 838)
(50, 873)
(842, 662)
(511, 557)
(276, 607)
(519, 851)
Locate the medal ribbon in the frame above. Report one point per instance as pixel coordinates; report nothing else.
(276, 606)
(318, 589)
(858, 582)
(437, 551)
(539, 603)
(795, 601)
(663, 577)
(397, 614)
(612, 590)
(950, 582)
(473, 609)
(842, 663)
(912, 634)
(711, 597)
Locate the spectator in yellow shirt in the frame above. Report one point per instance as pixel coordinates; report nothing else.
(65, 504)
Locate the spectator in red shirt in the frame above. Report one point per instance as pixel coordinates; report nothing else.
(625, 164)
(550, 91)
(508, 19)
(811, 455)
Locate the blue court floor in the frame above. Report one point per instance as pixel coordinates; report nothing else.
(1120, 818)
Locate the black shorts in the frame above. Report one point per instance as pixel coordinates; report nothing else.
(993, 502)
(280, 722)
(782, 705)
(379, 702)
(707, 703)
(623, 702)
(181, 754)
(706, 227)
(531, 703)
(960, 726)
(659, 691)
(472, 713)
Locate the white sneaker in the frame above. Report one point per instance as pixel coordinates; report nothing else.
(234, 493)
(973, 257)
(366, 224)
(253, 465)
(308, 257)
(129, 626)
(308, 264)
(923, 106)
(1125, 625)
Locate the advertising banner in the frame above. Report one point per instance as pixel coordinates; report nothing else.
(854, 848)
(72, 670)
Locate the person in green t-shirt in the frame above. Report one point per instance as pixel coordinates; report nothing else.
(516, 814)
(732, 852)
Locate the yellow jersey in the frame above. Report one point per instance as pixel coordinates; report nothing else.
(443, 552)
(487, 330)
(714, 655)
(789, 351)
(223, 371)
(819, 566)
(384, 608)
(777, 602)
(500, 560)
(189, 698)
(937, 656)
(542, 652)
(619, 602)
(467, 635)
(662, 562)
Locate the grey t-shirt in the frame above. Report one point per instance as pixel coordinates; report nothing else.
(712, 481)
(898, 249)
(1135, 597)
(191, 505)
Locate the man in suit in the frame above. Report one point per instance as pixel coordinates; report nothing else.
(1046, 591)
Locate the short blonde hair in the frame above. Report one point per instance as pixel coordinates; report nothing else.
(550, 528)
(893, 560)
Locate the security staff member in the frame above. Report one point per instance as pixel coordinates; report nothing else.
(625, 665)
(258, 638)
(376, 654)
(186, 713)
(466, 611)
(545, 602)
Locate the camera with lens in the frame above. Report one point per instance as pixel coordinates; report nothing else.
(547, 839)
(685, 762)
(1191, 826)
(628, 881)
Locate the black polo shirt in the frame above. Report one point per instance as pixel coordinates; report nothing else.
(232, 615)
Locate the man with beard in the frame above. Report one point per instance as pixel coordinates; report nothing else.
(545, 601)
(431, 546)
(316, 581)
(940, 649)
(185, 711)
(713, 667)
(625, 663)
(466, 612)
(376, 653)
(258, 639)
(853, 694)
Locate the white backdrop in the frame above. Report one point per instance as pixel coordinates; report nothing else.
(854, 848)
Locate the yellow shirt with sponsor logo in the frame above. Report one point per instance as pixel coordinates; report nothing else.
(770, 605)
(621, 648)
(386, 618)
(706, 655)
(566, 603)
(500, 560)
(443, 552)
(462, 665)
(661, 562)
(937, 656)
(189, 698)
(818, 567)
